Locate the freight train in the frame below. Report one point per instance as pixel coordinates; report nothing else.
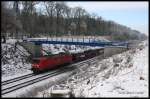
(53, 61)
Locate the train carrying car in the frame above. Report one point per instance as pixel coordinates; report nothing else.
(100, 51)
(50, 62)
(93, 52)
(80, 56)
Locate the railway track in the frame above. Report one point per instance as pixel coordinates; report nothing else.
(17, 84)
(32, 81)
(17, 79)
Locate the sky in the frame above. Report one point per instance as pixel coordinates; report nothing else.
(130, 14)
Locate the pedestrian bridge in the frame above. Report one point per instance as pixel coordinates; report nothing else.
(75, 41)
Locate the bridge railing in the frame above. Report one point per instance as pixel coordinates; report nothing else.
(80, 41)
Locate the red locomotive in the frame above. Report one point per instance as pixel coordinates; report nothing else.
(50, 62)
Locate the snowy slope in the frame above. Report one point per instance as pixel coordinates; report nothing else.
(13, 60)
(127, 80)
(122, 75)
(132, 82)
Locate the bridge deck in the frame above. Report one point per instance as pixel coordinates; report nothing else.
(75, 41)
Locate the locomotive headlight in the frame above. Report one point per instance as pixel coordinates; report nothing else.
(37, 65)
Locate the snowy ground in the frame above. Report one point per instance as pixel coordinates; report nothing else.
(13, 60)
(32, 90)
(122, 75)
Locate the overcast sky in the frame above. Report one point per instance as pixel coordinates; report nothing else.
(131, 14)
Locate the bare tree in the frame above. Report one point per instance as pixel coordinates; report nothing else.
(8, 19)
(79, 13)
(50, 7)
(67, 16)
(59, 19)
(17, 13)
(28, 16)
(59, 11)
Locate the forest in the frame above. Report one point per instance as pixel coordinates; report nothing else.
(49, 18)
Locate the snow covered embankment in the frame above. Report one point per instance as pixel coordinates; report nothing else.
(130, 81)
(122, 75)
(13, 60)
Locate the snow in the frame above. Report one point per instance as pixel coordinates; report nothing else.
(17, 75)
(61, 91)
(11, 41)
(33, 89)
(127, 84)
(13, 61)
(55, 49)
(122, 75)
